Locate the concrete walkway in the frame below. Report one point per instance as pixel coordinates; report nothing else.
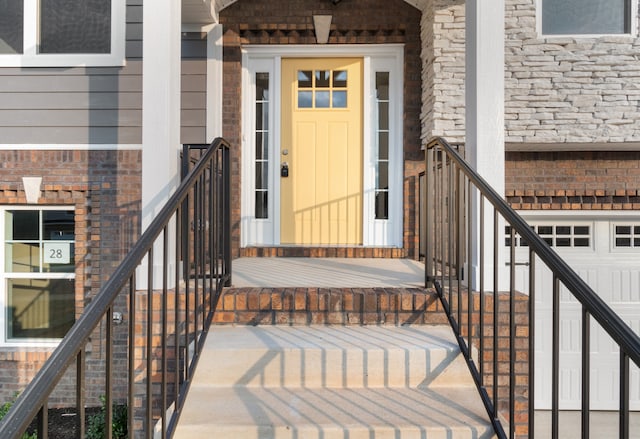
(327, 272)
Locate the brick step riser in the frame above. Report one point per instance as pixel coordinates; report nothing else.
(334, 306)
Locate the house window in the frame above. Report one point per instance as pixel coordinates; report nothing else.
(586, 17)
(38, 274)
(382, 159)
(627, 236)
(60, 33)
(262, 146)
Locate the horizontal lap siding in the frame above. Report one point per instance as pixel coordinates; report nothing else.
(78, 105)
(193, 115)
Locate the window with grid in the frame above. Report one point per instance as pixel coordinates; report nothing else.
(586, 17)
(38, 273)
(556, 235)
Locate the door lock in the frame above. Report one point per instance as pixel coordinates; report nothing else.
(284, 170)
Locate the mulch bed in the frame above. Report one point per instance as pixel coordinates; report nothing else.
(62, 422)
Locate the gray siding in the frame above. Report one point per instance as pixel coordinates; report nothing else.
(99, 105)
(194, 89)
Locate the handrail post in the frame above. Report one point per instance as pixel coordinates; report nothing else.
(428, 219)
(226, 163)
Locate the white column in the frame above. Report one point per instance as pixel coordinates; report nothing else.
(484, 89)
(160, 110)
(214, 82)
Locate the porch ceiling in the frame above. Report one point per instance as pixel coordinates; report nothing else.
(206, 11)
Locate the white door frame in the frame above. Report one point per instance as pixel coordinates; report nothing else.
(377, 58)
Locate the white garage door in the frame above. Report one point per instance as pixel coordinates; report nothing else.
(605, 252)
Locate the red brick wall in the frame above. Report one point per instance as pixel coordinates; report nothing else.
(104, 188)
(291, 22)
(605, 180)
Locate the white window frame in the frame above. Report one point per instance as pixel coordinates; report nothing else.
(31, 57)
(615, 248)
(4, 276)
(382, 57)
(633, 31)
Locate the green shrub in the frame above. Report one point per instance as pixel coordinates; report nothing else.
(95, 429)
(4, 409)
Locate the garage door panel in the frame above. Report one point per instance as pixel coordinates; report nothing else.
(615, 276)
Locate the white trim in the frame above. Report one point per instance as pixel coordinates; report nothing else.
(378, 57)
(633, 31)
(75, 146)
(595, 214)
(214, 82)
(26, 342)
(31, 58)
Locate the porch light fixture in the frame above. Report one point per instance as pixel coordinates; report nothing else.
(322, 25)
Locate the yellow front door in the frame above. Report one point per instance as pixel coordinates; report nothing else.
(321, 151)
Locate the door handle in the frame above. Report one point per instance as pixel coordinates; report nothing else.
(284, 169)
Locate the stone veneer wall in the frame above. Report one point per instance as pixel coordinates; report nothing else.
(557, 89)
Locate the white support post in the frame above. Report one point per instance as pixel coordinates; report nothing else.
(160, 116)
(484, 145)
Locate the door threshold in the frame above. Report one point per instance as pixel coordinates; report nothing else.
(302, 251)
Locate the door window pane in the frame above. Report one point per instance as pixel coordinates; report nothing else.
(305, 99)
(305, 79)
(11, 26)
(339, 99)
(75, 26)
(340, 78)
(322, 78)
(322, 99)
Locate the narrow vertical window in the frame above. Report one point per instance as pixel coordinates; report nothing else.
(382, 153)
(262, 146)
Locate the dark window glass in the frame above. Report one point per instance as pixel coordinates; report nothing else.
(383, 175)
(382, 85)
(623, 242)
(262, 175)
(24, 225)
(581, 242)
(11, 26)
(262, 86)
(340, 78)
(636, 230)
(548, 241)
(75, 26)
(262, 204)
(383, 115)
(563, 230)
(581, 230)
(58, 225)
(305, 79)
(322, 78)
(577, 17)
(563, 242)
(623, 230)
(262, 146)
(382, 205)
(262, 116)
(636, 242)
(383, 145)
(545, 230)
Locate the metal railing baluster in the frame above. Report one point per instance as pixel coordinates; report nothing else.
(441, 158)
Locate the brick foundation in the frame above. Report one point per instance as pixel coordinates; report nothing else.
(104, 189)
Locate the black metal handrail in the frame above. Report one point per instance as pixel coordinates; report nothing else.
(454, 191)
(201, 255)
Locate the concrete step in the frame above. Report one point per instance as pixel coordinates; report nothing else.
(391, 412)
(332, 382)
(332, 356)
